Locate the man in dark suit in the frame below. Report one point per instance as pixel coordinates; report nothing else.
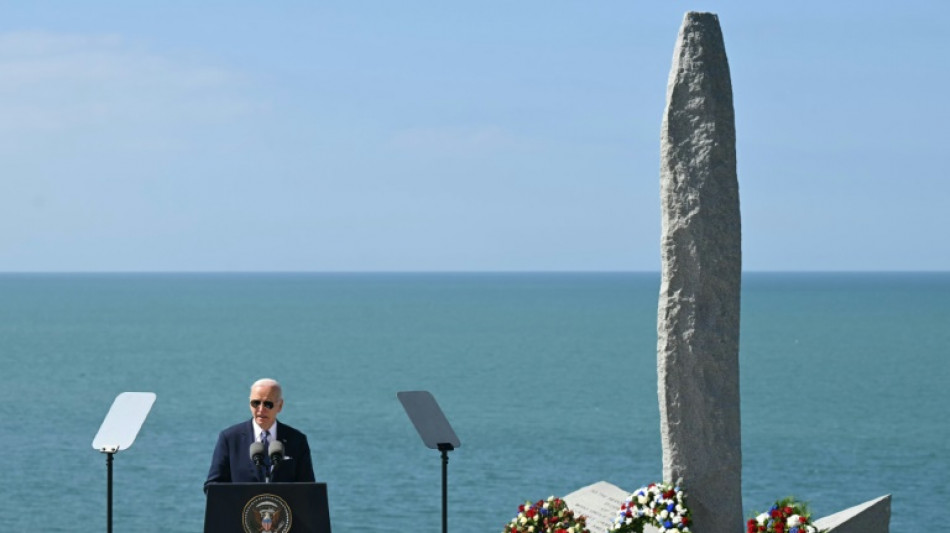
(232, 460)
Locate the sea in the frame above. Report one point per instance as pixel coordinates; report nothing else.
(548, 380)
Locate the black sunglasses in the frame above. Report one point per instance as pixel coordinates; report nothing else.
(267, 404)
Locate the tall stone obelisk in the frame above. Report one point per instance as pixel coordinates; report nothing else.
(698, 323)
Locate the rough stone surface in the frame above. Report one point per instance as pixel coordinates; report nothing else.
(870, 517)
(698, 323)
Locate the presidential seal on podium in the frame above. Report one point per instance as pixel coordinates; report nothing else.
(267, 513)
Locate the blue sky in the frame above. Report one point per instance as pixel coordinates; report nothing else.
(455, 136)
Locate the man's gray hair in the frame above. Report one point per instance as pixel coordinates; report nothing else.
(268, 382)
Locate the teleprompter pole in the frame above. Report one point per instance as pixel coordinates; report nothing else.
(110, 457)
(445, 448)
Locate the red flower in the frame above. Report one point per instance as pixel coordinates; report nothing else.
(750, 526)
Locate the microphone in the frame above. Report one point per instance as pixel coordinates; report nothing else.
(276, 452)
(257, 454)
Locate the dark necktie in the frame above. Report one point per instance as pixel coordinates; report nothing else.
(264, 441)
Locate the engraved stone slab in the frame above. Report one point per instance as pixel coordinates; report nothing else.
(698, 322)
(599, 503)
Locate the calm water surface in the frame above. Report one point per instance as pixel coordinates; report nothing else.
(548, 379)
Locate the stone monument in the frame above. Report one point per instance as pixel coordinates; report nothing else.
(698, 323)
(698, 314)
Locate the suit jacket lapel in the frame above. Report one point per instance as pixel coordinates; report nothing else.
(247, 438)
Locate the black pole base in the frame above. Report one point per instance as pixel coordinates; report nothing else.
(445, 448)
(110, 457)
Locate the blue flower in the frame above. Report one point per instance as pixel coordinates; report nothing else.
(542, 510)
(667, 524)
(670, 506)
(793, 530)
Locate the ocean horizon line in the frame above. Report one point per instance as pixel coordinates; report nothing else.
(429, 272)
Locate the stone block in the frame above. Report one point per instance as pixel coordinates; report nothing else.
(873, 516)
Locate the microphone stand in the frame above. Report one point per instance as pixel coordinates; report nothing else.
(258, 458)
(262, 467)
(269, 470)
(275, 453)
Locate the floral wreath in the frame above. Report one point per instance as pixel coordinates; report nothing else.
(786, 516)
(546, 516)
(662, 505)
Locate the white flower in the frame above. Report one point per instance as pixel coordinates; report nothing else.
(762, 518)
(663, 514)
(794, 520)
(642, 500)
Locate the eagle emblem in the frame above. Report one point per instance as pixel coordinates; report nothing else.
(267, 513)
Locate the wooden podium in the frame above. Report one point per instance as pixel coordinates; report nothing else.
(267, 507)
